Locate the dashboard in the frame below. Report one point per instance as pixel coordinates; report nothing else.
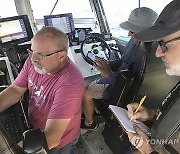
(86, 69)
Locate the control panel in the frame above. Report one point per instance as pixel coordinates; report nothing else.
(86, 69)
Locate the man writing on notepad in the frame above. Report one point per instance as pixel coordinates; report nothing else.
(165, 132)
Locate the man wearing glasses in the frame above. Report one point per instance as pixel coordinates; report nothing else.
(55, 87)
(165, 134)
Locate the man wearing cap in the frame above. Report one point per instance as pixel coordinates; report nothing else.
(139, 19)
(165, 134)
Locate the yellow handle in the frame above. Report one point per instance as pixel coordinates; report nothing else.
(140, 104)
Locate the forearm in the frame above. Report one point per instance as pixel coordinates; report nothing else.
(10, 96)
(54, 131)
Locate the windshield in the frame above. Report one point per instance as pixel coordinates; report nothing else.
(79, 8)
(7, 8)
(116, 11)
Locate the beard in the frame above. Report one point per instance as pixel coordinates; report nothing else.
(173, 70)
(39, 68)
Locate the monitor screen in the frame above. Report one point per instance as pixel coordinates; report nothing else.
(15, 30)
(63, 22)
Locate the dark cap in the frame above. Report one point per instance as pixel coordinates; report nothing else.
(140, 19)
(167, 23)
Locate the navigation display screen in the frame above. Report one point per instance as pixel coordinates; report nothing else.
(15, 30)
(63, 22)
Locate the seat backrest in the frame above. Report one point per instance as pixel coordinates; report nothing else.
(129, 78)
(34, 141)
(118, 92)
(127, 83)
(138, 72)
(7, 145)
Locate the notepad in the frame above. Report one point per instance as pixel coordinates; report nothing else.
(124, 121)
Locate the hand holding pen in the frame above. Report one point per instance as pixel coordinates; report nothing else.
(138, 112)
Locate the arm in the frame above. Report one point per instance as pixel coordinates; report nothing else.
(104, 67)
(140, 141)
(64, 116)
(54, 128)
(10, 96)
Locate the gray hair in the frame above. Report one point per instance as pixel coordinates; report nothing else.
(52, 33)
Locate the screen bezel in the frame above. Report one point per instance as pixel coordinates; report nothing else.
(70, 18)
(27, 27)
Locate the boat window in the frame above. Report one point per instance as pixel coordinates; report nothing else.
(118, 11)
(81, 11)
(7, 8)
(157, 6)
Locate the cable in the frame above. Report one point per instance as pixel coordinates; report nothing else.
(54, 7)
(15, 70)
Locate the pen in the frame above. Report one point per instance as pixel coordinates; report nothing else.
(140, 104)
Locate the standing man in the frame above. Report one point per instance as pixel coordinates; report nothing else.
(139, 19)
(165, 131)
(51, 77)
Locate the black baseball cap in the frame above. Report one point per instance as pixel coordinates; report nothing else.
(166, 24)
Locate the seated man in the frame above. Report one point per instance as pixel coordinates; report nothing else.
(139, 19)
(165, 132)
(51, 77)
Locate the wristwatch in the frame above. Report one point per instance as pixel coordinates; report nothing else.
(154, 152)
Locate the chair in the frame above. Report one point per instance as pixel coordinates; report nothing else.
(126, 85)
(123, 92)
(34, 141)
(8, 146)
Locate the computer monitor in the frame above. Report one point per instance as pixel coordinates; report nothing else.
(15, 30)
(63, 22)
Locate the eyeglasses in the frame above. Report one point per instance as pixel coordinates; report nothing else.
(41, 56)
(163, 46)
(132, 32)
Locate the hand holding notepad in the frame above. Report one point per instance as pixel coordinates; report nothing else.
(125, 122)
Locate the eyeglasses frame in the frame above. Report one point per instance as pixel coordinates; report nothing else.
(41, 55)
(163, 46)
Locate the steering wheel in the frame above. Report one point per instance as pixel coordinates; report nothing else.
(94, 46)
